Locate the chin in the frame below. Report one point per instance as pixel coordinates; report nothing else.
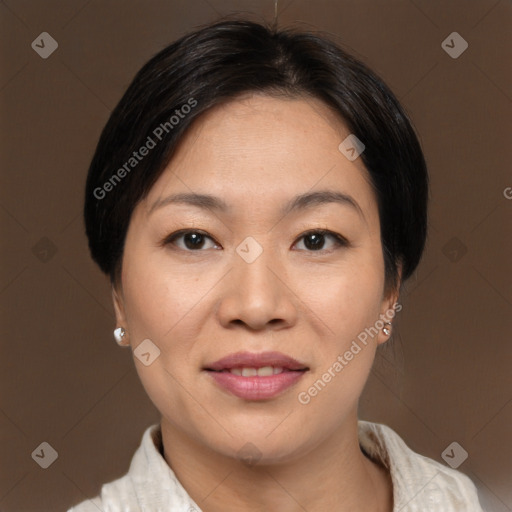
(256, 448)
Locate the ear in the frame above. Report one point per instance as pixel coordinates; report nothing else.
(118, 301)
(389, 309)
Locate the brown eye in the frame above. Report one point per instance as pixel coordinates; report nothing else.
(317, 240)
(314, 241)
(194, 240)
(191, 240)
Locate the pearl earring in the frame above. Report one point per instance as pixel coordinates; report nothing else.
(387, 330)
(119, 335)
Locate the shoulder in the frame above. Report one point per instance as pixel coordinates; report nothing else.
(92, 505)
(150, 484)
(419, 483)
(116, 496)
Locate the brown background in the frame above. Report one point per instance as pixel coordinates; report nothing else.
(446, 377)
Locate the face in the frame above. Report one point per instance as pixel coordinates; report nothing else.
(283, 256)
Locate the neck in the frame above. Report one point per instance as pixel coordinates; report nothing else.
(334, 475)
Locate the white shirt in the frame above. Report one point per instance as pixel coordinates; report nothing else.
(420, 484)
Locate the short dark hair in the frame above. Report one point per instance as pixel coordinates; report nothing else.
(221, 62)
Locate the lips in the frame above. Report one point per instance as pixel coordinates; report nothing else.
(250, 360)
(256, 376)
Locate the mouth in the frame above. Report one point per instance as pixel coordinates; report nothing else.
(256, 376)
(262, 371)
(260, 362)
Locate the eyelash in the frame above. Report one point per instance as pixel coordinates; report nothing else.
(340, 241)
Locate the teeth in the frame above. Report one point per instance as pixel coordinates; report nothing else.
(265, 371)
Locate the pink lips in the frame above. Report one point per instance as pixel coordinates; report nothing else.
(256, 387)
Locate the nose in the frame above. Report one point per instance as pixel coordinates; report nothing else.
(257, 296)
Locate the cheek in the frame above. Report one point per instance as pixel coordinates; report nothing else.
(349, 305)
(348, 300)
(162, 304)
(159, 295)
(345, 297)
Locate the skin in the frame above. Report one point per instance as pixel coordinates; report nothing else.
(198, 305)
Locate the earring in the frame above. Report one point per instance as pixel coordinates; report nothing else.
(387, 330)
(119, 335)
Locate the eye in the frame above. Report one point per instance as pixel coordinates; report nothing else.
(316, 240)
(192, 240)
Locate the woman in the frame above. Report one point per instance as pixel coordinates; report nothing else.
(257, 198)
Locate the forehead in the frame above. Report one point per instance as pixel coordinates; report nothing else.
(261, 149)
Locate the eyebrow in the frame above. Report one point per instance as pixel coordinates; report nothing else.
(204, 201)
(321, 197)
(300, 202)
